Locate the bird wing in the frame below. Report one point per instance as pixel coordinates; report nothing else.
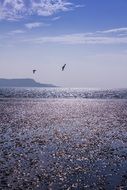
(63, 67)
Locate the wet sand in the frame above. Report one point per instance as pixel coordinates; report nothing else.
(63, 144)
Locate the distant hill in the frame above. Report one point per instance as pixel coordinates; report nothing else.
(22, 83)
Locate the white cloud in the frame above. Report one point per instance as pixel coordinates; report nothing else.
(115, 30)
(81, 38)
(49, 7)
(12, 9)
(80, 6)
(95, 38)
(16, 32)
(35, 25)
(17, 9)
(56, 18)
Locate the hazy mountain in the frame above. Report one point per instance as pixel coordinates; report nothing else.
(22, 83)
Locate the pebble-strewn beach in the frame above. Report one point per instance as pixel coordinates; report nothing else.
(55, 144)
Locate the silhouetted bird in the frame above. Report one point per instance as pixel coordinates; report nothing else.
(63, 67)
(34, 71)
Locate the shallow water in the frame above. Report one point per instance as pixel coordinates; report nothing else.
(63, 144)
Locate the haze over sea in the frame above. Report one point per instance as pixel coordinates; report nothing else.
(59, 138)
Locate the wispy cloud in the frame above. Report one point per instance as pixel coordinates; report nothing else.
(16, 32)
(35, 25)
(17, 9)
(56, 18)
(99, 37)
(91, 38)
(80, 6)
(115, 30)
(12, 9)
(79, 39)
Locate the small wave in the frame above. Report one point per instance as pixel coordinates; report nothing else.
(63, 93)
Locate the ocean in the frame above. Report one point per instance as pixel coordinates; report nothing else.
(63, 93)
(63, 139)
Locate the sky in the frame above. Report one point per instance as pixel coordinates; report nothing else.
(89, 36)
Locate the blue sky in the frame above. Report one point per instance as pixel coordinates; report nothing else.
(90, 36)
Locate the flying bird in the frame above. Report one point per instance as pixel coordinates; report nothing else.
(63, 67)
(34, 71)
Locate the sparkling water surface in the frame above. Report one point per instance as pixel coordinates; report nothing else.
(63, 93)
(58, 139)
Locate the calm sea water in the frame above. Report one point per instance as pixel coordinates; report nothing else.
(63, 93)
(63, 139)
